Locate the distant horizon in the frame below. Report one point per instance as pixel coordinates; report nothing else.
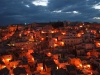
(46, 22)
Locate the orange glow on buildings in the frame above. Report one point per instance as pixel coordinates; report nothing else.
(22, 48)
(3, 67)
(55, 45)
(31, 37)
(14, 66)
(93, 31)
(80, 65)
(52, 31)
(42, 39)
(91, 73)
(62, 46)
(78, 35)
(84, 67)
(88, 66)
(43, 32)
(55, 40)
(82, 33)
(88, 53)
(8, 59)
(62, 43)
(30, 51)
(41, 68)
(76, 62)
(3, 60)
(97, 44)
(28, 32)
(56, 61)
(33, 59)
(49, 54)
(57, 67)
(20, 35)
(56, 30)
(81, 26)
(63, 33)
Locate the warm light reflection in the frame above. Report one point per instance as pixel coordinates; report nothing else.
(99, 44)
(49, 54)
(22, 48)
(88, 53)
(57, 67)
(56, 61)
(55, 40)
(86, 29)
(42, 39)
(3, 67)
(63, 33)
(13, 44)
(20, 35)
(14, 66)
(78, 35)
(52, 31)
(28, 31)
(80, 65)
(88, 66)
(62, 43)
(56, 31)
(41, 68)
(84, 67)
(82, 33)
(42, 32)
(93, 31)
(31, 37)
(33, 59)
(55, 45)
(91, 73)
(3, 60)
(81, 26)
(8, 59)
(30, 51)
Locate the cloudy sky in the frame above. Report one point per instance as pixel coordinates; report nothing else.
(28, 11)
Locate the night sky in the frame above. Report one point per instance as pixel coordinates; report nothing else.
(28, 11)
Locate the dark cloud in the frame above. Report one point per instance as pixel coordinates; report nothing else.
(16, 11)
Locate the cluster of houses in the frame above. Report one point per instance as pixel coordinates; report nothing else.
(42, 49)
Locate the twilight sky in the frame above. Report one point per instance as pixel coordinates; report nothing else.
(28, 11)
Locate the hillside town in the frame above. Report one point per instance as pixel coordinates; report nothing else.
(55, 48)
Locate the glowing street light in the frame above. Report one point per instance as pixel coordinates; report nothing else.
(63, 33)
(62, 43)
(49, 54)
(42, 39)
(55, 45)
(57, 67)
(41, 68)
(52, 32)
